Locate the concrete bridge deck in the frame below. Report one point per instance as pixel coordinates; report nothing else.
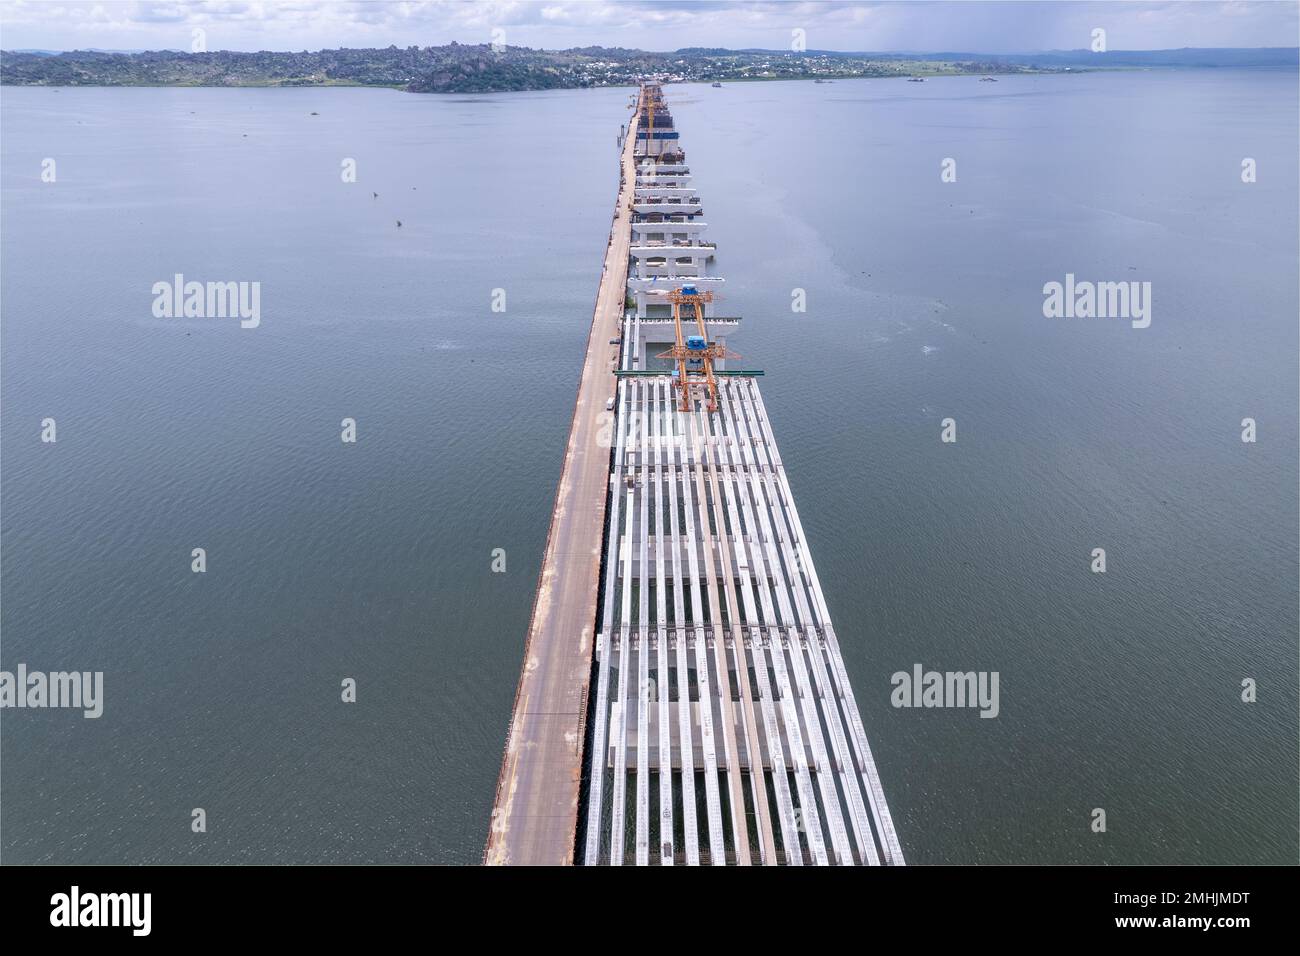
(534, 817)
(724, 727)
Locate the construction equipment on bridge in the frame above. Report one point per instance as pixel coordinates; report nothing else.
(693, 353)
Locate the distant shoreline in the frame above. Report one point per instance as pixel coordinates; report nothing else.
(398, 88)
(459, 68)
(550, 89)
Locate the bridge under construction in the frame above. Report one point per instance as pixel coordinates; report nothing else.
(683, 698)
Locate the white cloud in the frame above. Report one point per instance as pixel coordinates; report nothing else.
(649, 24)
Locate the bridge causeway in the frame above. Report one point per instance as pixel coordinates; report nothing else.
(721, 728)
(535, 813)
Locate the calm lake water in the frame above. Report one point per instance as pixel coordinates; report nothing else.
(372, 560)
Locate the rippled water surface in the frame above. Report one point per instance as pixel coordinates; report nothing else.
(372, 561)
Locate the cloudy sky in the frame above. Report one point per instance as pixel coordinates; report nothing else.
(966, 25)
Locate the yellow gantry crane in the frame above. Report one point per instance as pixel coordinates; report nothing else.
(650, 130)
(646, 104)
(693, 353)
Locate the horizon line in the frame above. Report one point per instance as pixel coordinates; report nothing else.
(777, 52)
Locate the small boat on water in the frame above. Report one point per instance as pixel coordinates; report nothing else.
(916, 79)
(988, 79)
(717, 86)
